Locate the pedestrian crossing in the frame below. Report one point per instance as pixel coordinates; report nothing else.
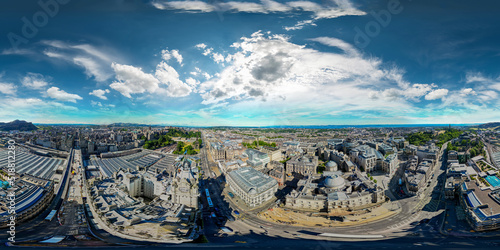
(405, 222)
(421, 204)
(432, 206)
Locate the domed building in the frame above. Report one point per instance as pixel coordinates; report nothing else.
(333, 190)
(331, 166)
(334, 182)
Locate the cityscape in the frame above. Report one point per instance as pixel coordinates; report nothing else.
(126, 184)
(253, 124)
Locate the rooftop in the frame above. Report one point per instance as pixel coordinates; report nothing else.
(248, 178)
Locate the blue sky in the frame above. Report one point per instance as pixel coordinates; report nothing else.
(250, 63)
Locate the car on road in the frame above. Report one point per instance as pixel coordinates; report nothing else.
(236, 212)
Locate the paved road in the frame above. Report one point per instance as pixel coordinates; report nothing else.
(38, 228)
(251, 232)
(426, 205)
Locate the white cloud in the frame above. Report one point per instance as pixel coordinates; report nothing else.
(300, 25)
(328, 10)
(467, 91)
(207, 51)
(100, 93)
(273, 6)
(61, 95)
(167, 55)
(193, 83)
(242, 7)
(95, 104)
(95, 61)
(12, 51)
(267, 64)
(201, 46)
(218, 58)
(184, 5)
(92, 68)
(305, 5)
(132, 80)
(436, 94)
(31, 108)
(7, 88)
(169, 76)
(334, 42)
(495, 86)
(269, 76)
(34, 81)
(471, 77)
(418, 90)
(488, 95)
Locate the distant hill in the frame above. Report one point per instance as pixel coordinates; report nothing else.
(122, 124)
(491, 125)
(17, 125)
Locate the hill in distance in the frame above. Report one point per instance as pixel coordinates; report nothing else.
(490, 125)
(17, 125)
(122, 124)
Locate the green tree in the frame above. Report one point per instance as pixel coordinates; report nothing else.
(180, 146)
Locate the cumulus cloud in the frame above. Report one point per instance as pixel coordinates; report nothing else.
(8, 88)
(467, 91)
(436, 94)
(61, 95)
(271, 61)
(167, 55)
(132, 80)
(100, 93)
(272, 67)
(201, 46)
(95, 104)
(169, 76)
(269, 72)
(34, 81)
(217, 57)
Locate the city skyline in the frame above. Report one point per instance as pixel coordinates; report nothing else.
(250, 63)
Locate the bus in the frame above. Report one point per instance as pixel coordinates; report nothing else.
(207, 192)
(209, 200)
(51, 215)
